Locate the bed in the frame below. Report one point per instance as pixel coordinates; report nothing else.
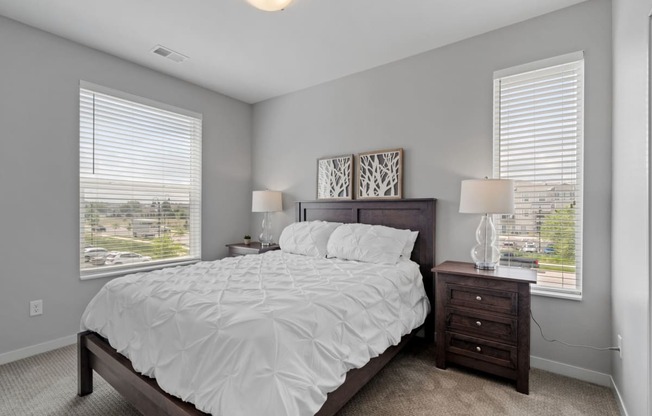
(144, 393)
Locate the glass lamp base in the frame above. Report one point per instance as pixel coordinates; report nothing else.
(266, 235)
(481, 265)
(485, 254)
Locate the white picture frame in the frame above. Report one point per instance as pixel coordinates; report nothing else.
(380, 174)
(335, 177)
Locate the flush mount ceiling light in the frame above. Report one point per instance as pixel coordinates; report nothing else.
(270, 5)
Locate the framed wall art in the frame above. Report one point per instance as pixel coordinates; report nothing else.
(380, 174)
(335, 177)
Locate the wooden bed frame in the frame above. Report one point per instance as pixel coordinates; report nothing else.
(95, 353)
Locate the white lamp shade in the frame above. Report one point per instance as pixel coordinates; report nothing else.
(266, 201)
(487, 196)
(270, 5)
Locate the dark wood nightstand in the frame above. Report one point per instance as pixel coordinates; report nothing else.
(240, 249)
(483, 319)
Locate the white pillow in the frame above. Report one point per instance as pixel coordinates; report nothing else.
(409, 245)
(368, 243)
(308, 238)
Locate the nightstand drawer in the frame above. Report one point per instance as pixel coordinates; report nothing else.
(499, 328)
(485, 299)
(479, 349)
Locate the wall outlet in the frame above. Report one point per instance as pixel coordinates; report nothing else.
(36, 307)
(620, 346)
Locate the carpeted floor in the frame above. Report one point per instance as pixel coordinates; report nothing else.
(46, 384)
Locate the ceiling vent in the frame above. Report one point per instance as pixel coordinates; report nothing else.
(169, 54)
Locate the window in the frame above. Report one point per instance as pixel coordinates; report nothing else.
(139, 183)
(538, 139)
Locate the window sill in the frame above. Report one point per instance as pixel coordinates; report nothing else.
(122, 271)
(551, 293)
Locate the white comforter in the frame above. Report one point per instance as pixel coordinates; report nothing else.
(266, 334)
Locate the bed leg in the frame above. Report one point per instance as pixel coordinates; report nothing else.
(84, 369)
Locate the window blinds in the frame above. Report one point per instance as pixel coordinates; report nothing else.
(140, 182)
(538, 122)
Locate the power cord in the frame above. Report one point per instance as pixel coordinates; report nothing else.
(571, 345)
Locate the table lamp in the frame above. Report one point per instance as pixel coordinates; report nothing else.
(266, 201)
(486, 197)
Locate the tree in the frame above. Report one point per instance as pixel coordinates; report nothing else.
(166, 209)
(181, 214)
(131, 208)
(559, 228)
(91, 214)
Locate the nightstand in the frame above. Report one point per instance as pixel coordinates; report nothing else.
(483, 319)
(240, 249)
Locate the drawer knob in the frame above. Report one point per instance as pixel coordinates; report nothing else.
(478, 349)
(478, 297)
(478, 323)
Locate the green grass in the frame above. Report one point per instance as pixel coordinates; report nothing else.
(160, 249)
(557, 267)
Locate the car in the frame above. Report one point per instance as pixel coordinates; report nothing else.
(125, 257)
(98, 261)
(98, 228)
(512, 259)
(529, 248)
(549, 250)
(91, 252)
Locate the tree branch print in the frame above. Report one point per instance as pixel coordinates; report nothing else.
(334, 177)
(379, 175)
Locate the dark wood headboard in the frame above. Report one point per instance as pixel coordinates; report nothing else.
(413, 214)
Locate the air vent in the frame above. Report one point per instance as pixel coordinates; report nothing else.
(169, 54)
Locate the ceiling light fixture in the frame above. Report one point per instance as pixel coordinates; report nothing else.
(270, 5)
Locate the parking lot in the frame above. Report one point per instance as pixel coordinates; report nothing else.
(118, 238)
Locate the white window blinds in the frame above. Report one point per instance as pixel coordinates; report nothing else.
(538, 136)
(140, 183)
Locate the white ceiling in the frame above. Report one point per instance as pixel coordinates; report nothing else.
(253, 55)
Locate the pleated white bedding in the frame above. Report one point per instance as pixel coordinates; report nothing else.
(266, 334)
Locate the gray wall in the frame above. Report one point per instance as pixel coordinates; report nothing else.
(630, 220)
(438, 107)
(39, 142)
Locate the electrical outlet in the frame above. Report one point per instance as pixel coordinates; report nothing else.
(36, 307)
(620, 346)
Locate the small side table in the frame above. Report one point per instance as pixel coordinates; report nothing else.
(483, 319)
(241, 249)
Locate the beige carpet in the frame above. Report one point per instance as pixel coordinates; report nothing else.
(411, 385)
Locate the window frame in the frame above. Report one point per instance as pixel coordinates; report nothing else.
(562, 293)
(121, 270)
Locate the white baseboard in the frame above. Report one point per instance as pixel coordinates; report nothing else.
(580, 373)
(21, 353)
(568, 370)
(619, 398)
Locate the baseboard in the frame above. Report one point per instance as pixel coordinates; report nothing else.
(568, 370)
(583, 374)
(21, 353)
(619, 398)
